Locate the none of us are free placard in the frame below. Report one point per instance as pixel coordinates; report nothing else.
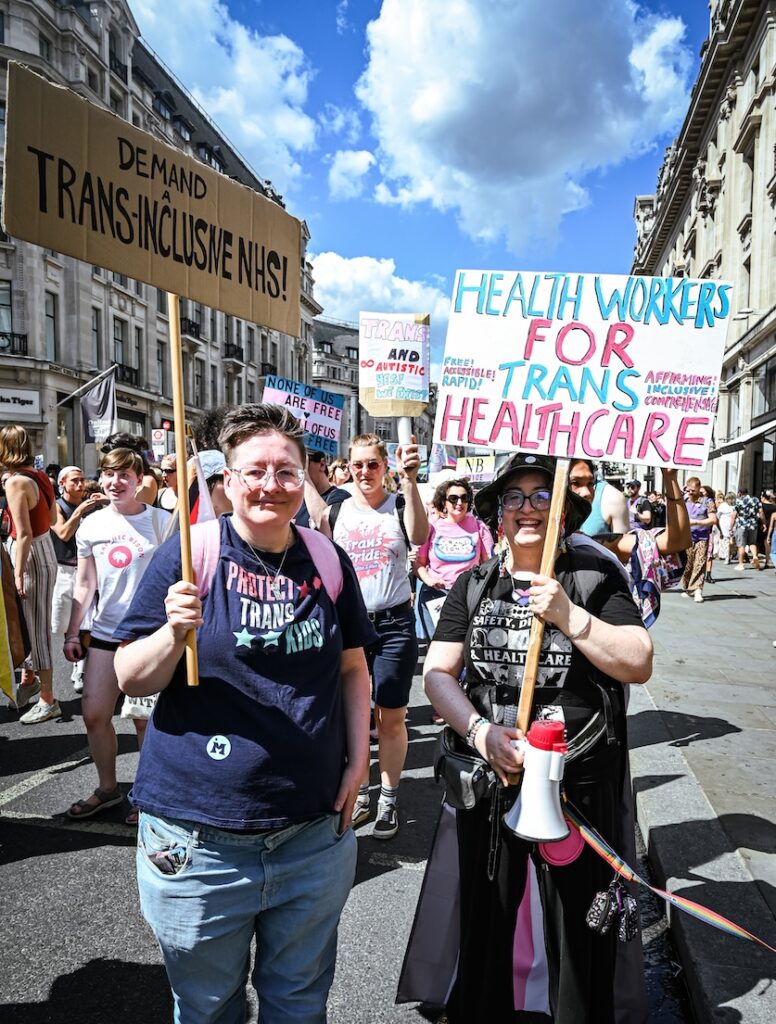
(584, 365)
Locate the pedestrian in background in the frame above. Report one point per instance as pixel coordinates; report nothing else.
(609, 508)
(168, 495)
(32, 510)
(747, 515)
(339, 472)
(639, 508)
(725, 504)
(72, 506)
(703, 516)
(769, 507)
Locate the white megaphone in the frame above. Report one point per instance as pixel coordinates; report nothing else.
(536, 815)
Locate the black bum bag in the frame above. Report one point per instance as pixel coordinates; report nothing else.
(467, 777)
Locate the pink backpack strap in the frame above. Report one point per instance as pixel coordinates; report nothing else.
(325, 559)
(205, 552)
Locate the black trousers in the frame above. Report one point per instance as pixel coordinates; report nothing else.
(581, 963)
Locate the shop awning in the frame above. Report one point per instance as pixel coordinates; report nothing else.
(741, 442)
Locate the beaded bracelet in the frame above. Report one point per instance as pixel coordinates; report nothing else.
(473, 729)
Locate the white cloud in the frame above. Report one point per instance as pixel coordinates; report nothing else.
(348, 170)
(254, 87)
(540, 97)
(342, 121)
(341, 14)
(345, 287)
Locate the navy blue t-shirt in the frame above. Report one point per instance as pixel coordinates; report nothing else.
(260, 743)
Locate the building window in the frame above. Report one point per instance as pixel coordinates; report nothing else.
(196, 314)
(352, 353)
(161, 365)
(182, 128)
(138, 350)
(199, 376)
(93, 80)
(764, 389)
(325, 347)
(734, 420)
(6, 308)
(213, 325)
(96, 335)
(213, 387)
(162, 107)
(44, 47)
(161, 301)
(238, 332)
(51, 327)
(250, 389)
(2, 112)
(264, 348)
(117, 104)
(274, 350)
(119, 340)
(2, 27)
(251, 339)
(228, 329)
(139, 289)
(120, 279)
(238, 390)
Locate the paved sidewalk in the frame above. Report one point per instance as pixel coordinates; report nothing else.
(703, 758)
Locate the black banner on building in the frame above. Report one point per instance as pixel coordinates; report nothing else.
(98, 408)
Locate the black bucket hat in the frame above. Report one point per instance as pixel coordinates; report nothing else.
(486, 501)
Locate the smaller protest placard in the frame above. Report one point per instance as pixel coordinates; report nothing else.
(479, 468)
(422, 455)
(394, 355)
(319, 411)
(584, 365)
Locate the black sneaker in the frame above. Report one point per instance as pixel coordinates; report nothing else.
(387, 823)
(360, 813)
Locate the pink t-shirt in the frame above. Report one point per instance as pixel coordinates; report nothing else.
(452, 548)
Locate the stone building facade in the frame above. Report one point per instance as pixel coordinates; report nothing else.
(61, 320)
(714, 216)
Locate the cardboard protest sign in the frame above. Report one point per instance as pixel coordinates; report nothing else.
(478, 468)
(393, 465)
(319, 411)
(80, 180)
(394, 355)
(580, 365)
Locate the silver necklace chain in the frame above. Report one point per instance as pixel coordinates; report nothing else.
(267, 572)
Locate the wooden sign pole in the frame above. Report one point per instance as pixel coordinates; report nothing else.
(179, 417)
(549, 554)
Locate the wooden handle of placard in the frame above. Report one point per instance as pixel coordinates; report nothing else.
(549, 554)
(179, 417)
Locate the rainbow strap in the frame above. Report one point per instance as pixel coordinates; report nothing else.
(696, 910)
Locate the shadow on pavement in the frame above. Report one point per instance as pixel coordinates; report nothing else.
(34, 751)
(100, 991)
(645, 728)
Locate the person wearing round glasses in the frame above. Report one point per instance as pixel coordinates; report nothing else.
(246, 782)
(594, 644)
(376, 529)
(456, 542)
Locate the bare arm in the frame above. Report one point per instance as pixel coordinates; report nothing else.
(355, 693)
(771, 526)
(148, 490)
(415, 518)
(65, 528)
(622, 652)
(146, 666)
(316, 506)
(19, 493)
(614, 509)
(676, 536)
(83, 594)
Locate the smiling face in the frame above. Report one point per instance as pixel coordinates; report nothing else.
(456, 503)
(120, 485)
(270, 506)
(368, 468)
(526, 527)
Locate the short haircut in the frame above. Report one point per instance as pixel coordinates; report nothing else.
(730, 498)
(440, 494)
(15, 447)
(122, 458)
(369, 441)
(244, 421)
(693, 480)
(122, 439)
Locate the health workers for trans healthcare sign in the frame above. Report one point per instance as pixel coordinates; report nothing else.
(319, 411)
(584, 365)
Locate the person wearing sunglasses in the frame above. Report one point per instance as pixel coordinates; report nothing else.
(376, 529)
(594, 645)
(246, 782)
(456, 542)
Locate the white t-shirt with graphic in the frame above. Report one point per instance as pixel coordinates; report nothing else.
(374, 541)
(121, 547)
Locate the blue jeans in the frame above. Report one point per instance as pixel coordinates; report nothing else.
(206, 893)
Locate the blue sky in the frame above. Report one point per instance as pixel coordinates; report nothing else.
(417, 137)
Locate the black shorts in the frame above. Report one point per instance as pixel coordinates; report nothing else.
(96, 644)
(392, 660)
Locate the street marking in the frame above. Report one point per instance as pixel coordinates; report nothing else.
(107, 828)
(391, 860)
(42, 776)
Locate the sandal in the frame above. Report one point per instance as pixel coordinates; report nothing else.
(105, 799)
(132, 817)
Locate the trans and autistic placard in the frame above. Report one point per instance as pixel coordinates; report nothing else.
(581, 365)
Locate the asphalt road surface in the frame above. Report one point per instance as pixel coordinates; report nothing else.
(74, 949)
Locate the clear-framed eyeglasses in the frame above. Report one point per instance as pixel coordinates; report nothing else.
(254, 477)
(513, 501)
